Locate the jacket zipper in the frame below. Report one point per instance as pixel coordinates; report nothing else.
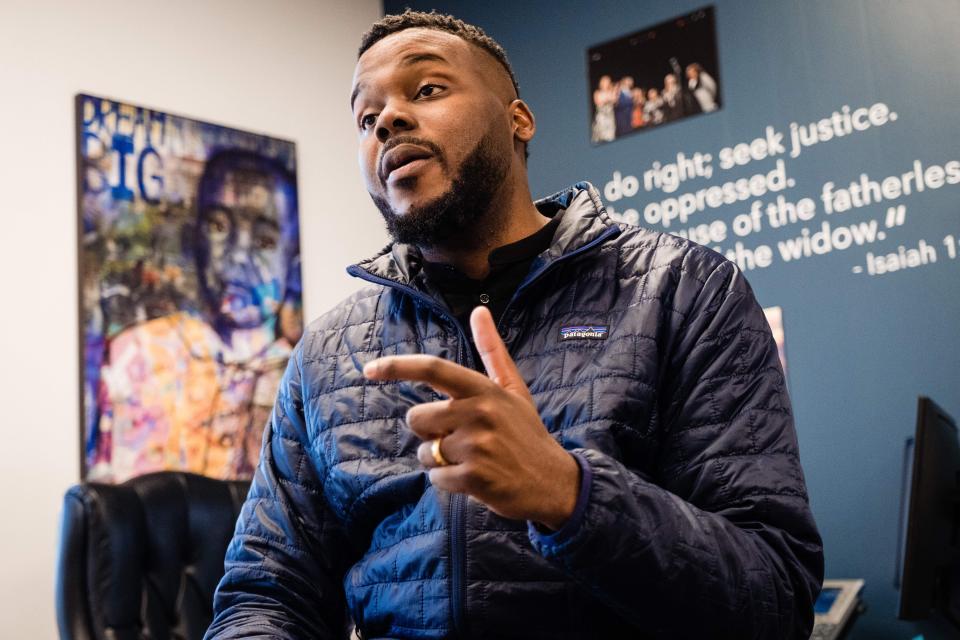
(458, 501)
(611, 231)
(465, 354)
(458, 530)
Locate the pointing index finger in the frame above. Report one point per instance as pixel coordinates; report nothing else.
(444, 376)
(500, 366)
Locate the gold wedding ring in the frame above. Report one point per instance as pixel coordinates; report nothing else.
(435, 452)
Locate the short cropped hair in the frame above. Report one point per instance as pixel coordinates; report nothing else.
(390, 24)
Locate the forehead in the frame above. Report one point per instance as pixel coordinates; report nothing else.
(406, 48)
(247, 193)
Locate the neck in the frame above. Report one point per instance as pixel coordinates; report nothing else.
(244, 343)
(514, 217)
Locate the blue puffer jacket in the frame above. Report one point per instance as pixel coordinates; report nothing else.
(692, 519)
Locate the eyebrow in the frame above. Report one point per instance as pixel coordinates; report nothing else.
(262, 220)
(406, 61)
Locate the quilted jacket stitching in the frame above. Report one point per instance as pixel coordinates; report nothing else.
(626, 253)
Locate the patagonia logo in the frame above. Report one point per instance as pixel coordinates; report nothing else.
(585, 332)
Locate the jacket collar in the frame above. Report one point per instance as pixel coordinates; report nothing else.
(583, 223)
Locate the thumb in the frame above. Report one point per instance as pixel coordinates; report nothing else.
(493, 352)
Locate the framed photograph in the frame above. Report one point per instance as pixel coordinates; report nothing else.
(190, 296)
(661, 74)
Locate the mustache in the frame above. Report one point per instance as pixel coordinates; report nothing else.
(420, 142)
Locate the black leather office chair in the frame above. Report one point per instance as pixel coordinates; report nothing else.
(142, 559)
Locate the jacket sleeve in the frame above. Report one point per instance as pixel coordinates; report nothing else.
(285, 564)
(721, 542)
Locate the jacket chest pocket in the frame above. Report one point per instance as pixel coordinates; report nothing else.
(598, 393)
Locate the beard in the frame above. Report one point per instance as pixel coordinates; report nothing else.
(460, 217)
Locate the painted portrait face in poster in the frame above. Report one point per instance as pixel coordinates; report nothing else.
(243, 239)
(190, 289)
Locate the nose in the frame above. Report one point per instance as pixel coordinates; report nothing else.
(240, 259)
(393, 120)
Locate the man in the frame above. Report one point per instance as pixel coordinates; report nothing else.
(672, 101)
(703, 86)
(623, 109)
(190, 392)
(604, 448)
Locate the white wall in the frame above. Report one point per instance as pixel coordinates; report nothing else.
(279, 67)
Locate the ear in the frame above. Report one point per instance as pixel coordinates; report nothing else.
(524, 124)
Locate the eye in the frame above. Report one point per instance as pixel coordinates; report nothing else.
(368, 121)
(428, 90)
(266, 242)
(218, 222)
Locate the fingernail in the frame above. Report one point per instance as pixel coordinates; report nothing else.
(370, 369)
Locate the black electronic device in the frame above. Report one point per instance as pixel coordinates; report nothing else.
(930, 519)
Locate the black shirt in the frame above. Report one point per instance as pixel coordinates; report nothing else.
(509, 265)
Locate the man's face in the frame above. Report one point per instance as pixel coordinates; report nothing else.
(434, 125)
(245, 266)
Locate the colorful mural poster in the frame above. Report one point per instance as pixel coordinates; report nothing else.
(189, 289)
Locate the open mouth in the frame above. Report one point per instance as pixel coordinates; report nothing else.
(403, 161)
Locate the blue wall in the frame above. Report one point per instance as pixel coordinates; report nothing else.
(860, 348)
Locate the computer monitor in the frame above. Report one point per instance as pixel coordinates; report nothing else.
(930, 571)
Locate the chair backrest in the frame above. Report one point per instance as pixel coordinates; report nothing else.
(142, 559)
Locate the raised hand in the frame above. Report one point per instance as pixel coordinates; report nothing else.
(487, 439)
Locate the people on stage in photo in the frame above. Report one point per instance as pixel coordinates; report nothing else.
(623, 109)
(636, 116)
(604, 99)
(653, 109)
(672, 103)
(620, 106)
(703, 86)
